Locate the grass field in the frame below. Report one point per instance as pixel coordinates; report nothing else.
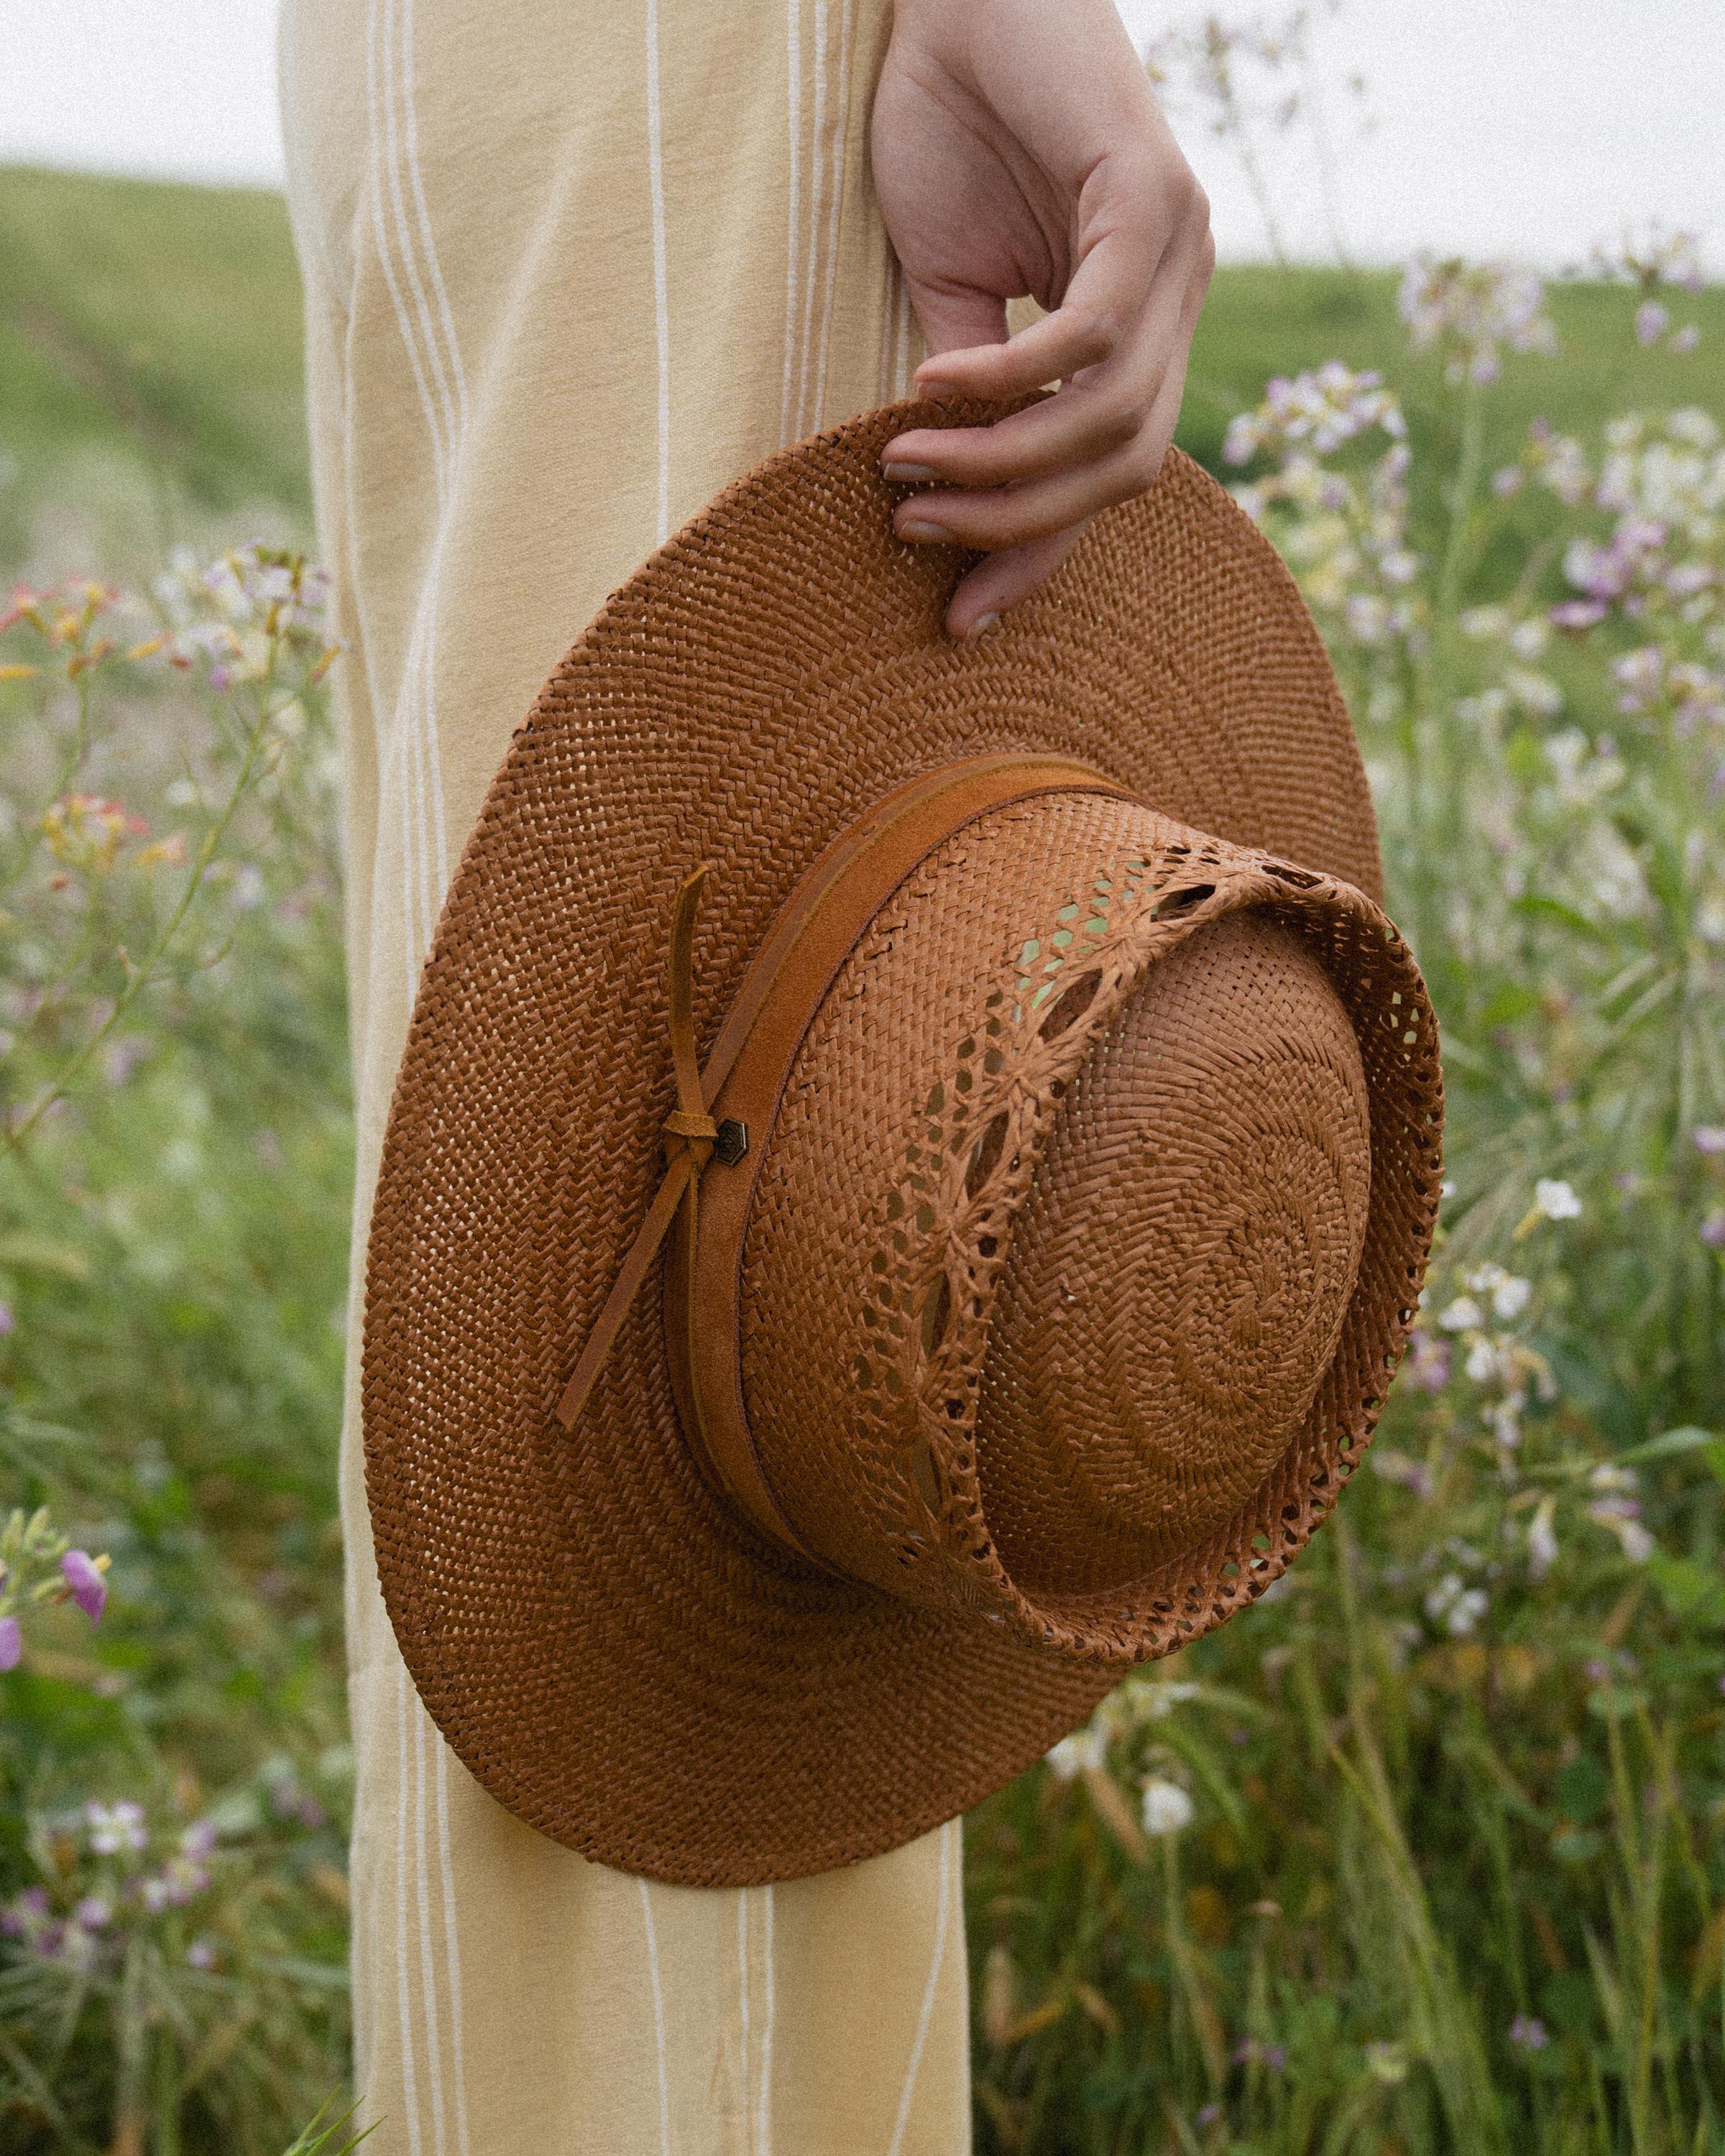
(1425, 1854)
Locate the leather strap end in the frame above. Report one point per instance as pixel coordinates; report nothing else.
(624, 1289)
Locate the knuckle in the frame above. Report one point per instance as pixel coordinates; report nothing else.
(1114, 429)
(1095, 332)
(1013, 527)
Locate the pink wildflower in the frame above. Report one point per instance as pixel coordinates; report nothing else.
(90, 1590)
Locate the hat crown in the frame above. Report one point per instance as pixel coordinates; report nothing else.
(1181, 1267)
(1038, 1323)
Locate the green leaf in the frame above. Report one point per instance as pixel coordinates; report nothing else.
(1694, 1592)
(1688, 1439)
(1553, 909)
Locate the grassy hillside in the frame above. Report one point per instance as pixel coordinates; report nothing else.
(156, 329)
(152, 328)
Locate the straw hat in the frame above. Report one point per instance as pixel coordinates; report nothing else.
(910, 1174)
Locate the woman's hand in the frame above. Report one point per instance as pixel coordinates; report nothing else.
(1018, 148)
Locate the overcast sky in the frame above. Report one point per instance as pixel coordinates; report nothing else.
(1517, 127)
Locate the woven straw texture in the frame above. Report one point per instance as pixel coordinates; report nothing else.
(1084, 1241)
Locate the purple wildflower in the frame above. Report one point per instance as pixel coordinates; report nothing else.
(1712, 1231)
(1527, 2033)
(1428, 1361)
(26, 1914)
(90, 1590)
(201, 1955)
(9, 1323)
(12, 1642)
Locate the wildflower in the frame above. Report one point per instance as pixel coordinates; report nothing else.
(83, 1575)
(1651, 255)
(1083, 1753)
(201, 1953)
(1543, 1539)
(11, 1643)
(198, 1840)
(1652, 321)
(25, 1914)
(1577, 614)
(1583, 772)
(115, 1828)
(1618, 1509)
(1685, 340)
(1319, 409)
(1390, 1466)
(1160, 1699)
(9, 1323)
(1509, 1293)
(1462, 1315)
(1427, 1369)
(1713, 1231)
(1166, 1808)
(93, 1913)
(1456, 1605)
(1640, 675)
(1470, 311)
(1526, 2034)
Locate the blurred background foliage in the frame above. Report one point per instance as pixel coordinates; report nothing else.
(1423, 1855)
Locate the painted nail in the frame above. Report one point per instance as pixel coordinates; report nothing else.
(981, 626)
(936, 535)
(908, 474)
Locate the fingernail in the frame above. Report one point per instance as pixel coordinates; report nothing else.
(908, 474)
(914, 527)
(936, 392)
(981, 626)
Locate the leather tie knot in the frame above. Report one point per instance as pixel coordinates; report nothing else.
(690, 1134)
(698, 1133)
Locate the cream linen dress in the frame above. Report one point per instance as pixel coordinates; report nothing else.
(569, 269)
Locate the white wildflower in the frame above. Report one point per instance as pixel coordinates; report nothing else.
(1456, 1605)
(1543, 1539)
(1166, 1807)
(1082, 1753)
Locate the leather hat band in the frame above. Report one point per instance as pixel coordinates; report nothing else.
(746, 1075)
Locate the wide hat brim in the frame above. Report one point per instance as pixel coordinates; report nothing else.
(617, 1654)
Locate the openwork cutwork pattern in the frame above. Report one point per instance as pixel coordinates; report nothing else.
(980, 1135)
